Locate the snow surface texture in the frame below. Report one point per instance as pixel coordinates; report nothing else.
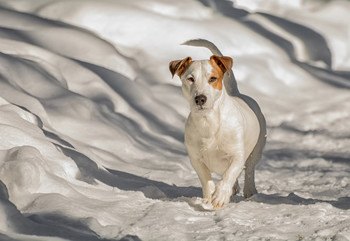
(91, 123)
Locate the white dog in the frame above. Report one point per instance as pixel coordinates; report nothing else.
(225, 131)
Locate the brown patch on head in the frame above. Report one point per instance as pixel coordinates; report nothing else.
(179, 66)
(215, 79)
(220, 65)
(225, 63)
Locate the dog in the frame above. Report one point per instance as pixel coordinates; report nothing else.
(225, 131)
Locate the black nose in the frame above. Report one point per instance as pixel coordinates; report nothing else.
(200, 100)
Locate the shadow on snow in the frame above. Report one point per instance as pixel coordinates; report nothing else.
(47, 225)
(159, 190)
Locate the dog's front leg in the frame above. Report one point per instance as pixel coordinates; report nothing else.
(208, 185)
(224, 188)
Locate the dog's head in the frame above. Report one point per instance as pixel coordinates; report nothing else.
(202, 81)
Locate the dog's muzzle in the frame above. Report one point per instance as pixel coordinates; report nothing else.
(200, 100)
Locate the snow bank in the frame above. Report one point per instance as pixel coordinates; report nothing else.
(321, 16)
(91, 123)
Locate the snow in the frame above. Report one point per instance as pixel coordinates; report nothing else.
(91, 123)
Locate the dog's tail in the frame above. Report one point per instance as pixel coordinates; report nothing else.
(204, 43)
(230, 82)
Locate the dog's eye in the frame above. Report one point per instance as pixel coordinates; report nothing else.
(212, 79)
(190, 79)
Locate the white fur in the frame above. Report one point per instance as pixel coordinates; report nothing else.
(220, 136)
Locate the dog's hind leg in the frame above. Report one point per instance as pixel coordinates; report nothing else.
(254, 157)
(249, 178)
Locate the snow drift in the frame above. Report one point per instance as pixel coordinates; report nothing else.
(91, 123)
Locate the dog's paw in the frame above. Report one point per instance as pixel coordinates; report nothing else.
(206, 200)
(249, 192)
(206, 204)
(222, 195)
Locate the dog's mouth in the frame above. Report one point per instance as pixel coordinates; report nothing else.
(200, 109)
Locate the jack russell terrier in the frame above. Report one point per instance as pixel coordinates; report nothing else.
(225, 131)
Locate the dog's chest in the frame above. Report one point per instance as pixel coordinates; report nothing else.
(214, 155)
(212, 136)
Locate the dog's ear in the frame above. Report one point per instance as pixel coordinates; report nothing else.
(179, 66)
(225, 63)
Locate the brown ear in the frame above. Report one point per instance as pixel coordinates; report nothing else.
(225, 63)
(179, 66)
